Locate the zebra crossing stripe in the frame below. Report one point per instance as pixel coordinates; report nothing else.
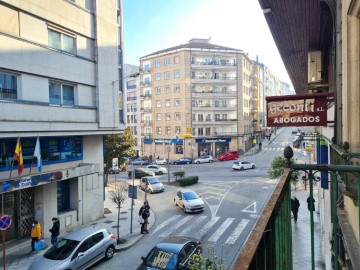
(175, 226)
(216, 235)
(208, 226)
(193, 225)
(165, 223)
(236, 233)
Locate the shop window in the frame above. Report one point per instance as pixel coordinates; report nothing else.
(179, 149)
(63, 196)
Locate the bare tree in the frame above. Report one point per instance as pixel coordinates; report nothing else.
(118, 196)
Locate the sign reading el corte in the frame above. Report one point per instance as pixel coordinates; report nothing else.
(297, 110)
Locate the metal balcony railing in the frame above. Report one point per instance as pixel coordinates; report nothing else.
(146, 109)
(213, 63)
(146, 123)
(145, 83)
(213, 77)
(8, 93)
(145, 96)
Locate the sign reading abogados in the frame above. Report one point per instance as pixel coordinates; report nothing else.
(297, 110)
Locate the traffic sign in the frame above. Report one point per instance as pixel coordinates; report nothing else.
(5, 222)
(115, 164)
(132, 192)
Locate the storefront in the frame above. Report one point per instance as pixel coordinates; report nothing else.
(160, 147)
(212, 146)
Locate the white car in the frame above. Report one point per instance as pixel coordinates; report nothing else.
(204, 159)
(243, 165)
(189, 201)
(156, 169)
(161, 161)
(151, 184)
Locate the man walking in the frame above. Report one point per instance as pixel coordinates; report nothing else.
(55, 230)
(295, 204)
(144, 212)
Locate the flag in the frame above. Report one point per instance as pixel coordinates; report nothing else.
(18, 156)
(37, 154)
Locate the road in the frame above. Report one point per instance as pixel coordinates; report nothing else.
(234, 201)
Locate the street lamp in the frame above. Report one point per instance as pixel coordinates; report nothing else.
(168, 161)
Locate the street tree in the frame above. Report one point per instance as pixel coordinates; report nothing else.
(118, 196)
(277, 168)
(118, 146)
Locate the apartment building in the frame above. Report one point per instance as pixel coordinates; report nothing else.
(60, 63)
(200, 91)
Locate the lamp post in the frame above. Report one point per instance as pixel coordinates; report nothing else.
(168, 161)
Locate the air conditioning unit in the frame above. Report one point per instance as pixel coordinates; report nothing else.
(314, 67)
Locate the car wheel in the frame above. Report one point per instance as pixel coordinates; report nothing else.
(198, 162)
(188, 162)
(253, 166)
(109, 253)
(241, 168)
(184, 209)
(161, 173)
(175, 163)
(210, 161)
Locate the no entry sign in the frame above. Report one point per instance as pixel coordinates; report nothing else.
(5, 222)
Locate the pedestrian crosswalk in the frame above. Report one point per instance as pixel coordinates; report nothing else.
(199, 226)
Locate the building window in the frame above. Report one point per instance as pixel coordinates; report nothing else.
(157, 63)
(178, 130)
(200, 131)
(167, 75)
(168, 130)
(158, 103)
(61, 94)
(167, 62)
(157, 76)
(167, 89)
(167, 102)
(177, 73)
(61, 41)
(8, 86)
(200, 118)
(167, 117)
(147, 67)
(176, 60)
(177, 116)
(63, 196)
(177, 88)
(158, 116)
(158, 90)
(158, 130)
(207, 131)
(177, 102)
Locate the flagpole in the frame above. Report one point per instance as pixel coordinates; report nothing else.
(32, 163)
(12, 165)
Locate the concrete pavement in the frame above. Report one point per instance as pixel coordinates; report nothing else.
(18, 256)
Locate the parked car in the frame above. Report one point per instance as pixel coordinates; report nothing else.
(229, 155)
(156, 169)
(171, 253)
(161, 161)
(184, 160)
(189, 201)
(204, 159)
(243, 165)
(140, 161)
(78, 250)
(140, 172)
(151, 184)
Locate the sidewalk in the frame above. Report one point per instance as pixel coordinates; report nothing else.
(19, 257)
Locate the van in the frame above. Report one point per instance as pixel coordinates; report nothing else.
(229, 155)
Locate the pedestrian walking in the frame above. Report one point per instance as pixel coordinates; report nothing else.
(35, 234)
(144, 212)
(311, 203)
(295, 204)
(55, 230)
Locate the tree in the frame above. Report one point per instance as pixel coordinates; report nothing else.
(209, 262)
(277, 167)
(118, 196)
(118, 146)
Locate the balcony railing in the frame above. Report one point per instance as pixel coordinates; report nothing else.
(214, 107)
(145, 70)
(8, 93)
(146, 123)
(146, 109)
(146, 83)
(146, 134)
(201, 77)
(146, 96)
(222, 92)
(214, 63)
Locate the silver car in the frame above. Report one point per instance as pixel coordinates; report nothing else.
(151, 184)
(204, 159)
(189, 201)
(78, 250)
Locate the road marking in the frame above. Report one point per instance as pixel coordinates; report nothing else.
(165, 223)
(211, 193)
(212, 197)
(216, 235)
(208, 226)
(175, 226)
(236, 233)
(193, 225)
(246, 210)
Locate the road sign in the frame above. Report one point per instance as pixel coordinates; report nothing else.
(5, 222)
(189, 130)
(115, 164)
(132, 192)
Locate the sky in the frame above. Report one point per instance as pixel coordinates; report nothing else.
(153, 25)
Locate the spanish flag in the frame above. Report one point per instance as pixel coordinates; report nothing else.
(18, 156)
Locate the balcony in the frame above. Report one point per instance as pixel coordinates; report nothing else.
(214, 93)
(213, 79)
(146, 83)
(224, 134)
(146, 123)
(145, 70)
(213, 121)
(146, 96)
(146, 134)
(146, 109)
(212, 107)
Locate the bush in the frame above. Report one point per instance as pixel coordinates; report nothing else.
(187, 181)
(179, 174)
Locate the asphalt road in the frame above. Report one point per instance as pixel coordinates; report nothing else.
(234, 201)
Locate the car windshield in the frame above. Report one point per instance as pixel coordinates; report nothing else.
(190, 196)
(153, 180)
(161, 259)
(61, 250)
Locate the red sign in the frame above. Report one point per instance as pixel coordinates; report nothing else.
(297, 110)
